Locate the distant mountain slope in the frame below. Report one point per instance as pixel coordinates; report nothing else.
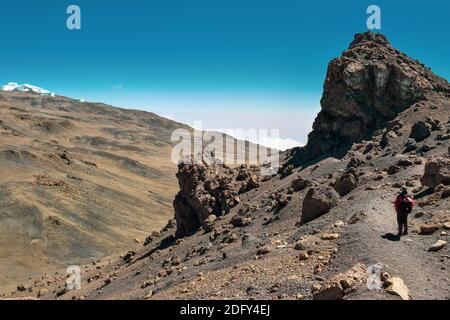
(78, 181)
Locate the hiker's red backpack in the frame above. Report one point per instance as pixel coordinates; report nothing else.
(406, 204)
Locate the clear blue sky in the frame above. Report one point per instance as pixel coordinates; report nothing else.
(207, 59)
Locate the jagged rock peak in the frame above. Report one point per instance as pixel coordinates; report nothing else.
(365, 88)
(369, 37)
(375, 48)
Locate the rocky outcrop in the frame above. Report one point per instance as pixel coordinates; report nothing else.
(420, 130)
(341, 284)
(438, 245)
(365, 89)
(249, 183)
(345, 184)
(396, 286)
(318, 201)
(203, 192)
(299, 184)
(437, 171)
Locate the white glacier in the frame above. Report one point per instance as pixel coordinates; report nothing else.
(12, 86)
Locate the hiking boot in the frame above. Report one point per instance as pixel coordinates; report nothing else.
(405, 233)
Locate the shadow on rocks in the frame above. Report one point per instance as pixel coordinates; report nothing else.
(391, 237)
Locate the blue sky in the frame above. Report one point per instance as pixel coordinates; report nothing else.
(230, 63)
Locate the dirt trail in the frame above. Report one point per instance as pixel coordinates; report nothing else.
(374, 240)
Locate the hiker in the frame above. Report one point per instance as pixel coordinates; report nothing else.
(403, 205)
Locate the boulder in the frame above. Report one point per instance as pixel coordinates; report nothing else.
(437, 171)
(22, 288)
(263, 250)
(404, 163)
(318, 201)
(393, 169)
(240, 221)
(300, 245)
(129, 256)
(330, 236)
(433, 123)
(420, 131)
(151, 238)
(172, 223)
(279, 200)
(410, 145)
(425, 148)
(230, 238)
(419, 214)
(208, 224)
(445, 193)
(285, 171)
(387, 138)
(396, 286)
(299, 184)
(438, 245)
(339, 285)
(339, 223)
(354, 162)
(303, 255)
(42, 292)
(345, 184)
(243, 174)
(332, 292)
(426, 229)
(250, 183)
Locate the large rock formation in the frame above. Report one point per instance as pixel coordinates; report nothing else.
(364, 89)
(318, 201)
(204, 191)
(345, 184)
(437, 171)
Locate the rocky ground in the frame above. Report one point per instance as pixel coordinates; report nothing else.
(311, 230)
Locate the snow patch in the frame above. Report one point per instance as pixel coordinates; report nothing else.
(12, 86)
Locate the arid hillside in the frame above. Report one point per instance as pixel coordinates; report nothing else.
(312, 230)
(78, 181)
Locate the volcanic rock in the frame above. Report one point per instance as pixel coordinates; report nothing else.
(420, 130)
(365, 89)
(345, 184)
(437, 171)
(318, 201)
(438, 245)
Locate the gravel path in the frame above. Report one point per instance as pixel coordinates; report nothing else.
(373, 240)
